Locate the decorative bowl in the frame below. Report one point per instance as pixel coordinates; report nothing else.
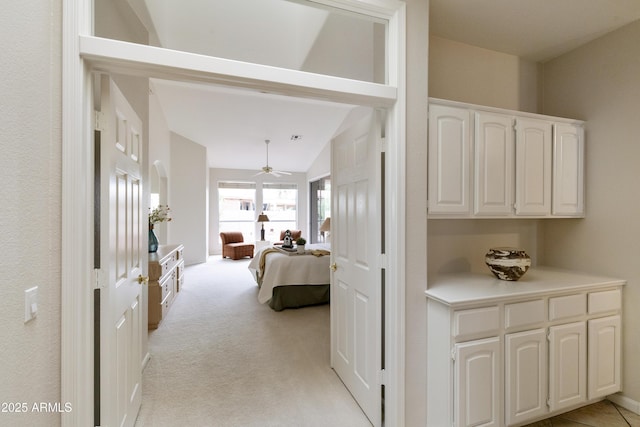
(507, 263)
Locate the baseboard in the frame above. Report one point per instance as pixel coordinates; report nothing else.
(147, 357)
(625, 402)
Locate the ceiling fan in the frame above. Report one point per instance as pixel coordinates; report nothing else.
(268, 169)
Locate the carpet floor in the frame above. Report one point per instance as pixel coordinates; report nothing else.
(222, 359)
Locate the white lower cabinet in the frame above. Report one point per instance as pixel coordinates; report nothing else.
(526, 375)
(509, 361)
(477, 381)
(567, 365)
(604, 356)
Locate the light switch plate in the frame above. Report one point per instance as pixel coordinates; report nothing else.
(30, 304)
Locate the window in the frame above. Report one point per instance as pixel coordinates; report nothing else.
(280, 204)
(237, 208)
(320, 209)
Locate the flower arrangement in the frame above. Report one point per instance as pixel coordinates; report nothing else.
(159, 214)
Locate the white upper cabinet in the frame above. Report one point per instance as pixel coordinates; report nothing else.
(449, 160)
(533, 167)
(494, 151)
(568, 170)
(522, 164)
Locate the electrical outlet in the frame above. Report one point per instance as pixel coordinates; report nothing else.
(30, 304)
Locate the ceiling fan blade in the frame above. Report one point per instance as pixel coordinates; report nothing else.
(260, 173)
(282, 172)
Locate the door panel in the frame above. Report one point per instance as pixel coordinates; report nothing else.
(604, 376)
(493, 164)
(533, 167)
(355, 293)
(339, 307)
(121, 262)
(477, 381)
(449, 160)
(568, 170)
(567, 365)
(526, 371)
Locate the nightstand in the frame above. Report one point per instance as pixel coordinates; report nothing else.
(259, 244)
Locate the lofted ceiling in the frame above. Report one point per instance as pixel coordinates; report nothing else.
(233, 123)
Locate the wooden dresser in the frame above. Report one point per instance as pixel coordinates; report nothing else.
(166, 268)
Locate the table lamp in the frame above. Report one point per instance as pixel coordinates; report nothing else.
(262, 218)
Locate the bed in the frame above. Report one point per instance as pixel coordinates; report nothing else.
(291, 280)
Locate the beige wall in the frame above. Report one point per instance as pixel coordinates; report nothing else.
(189, 200)
(159, 159)
(30, 205)
(461, 72)
(600, 83)
(416, 213)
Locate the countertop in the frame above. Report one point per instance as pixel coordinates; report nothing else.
(460, 289)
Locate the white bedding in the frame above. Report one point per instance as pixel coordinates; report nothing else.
(282, 269)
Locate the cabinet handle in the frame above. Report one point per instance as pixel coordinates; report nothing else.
(143, 280)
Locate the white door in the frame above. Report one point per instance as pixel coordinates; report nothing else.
(122, 226)
(526, 371)
(355, 282)
(477, 383)
(604, 356)
(494, 164)
(533, 167)
(567, 365)
(449, 160)
(568, 170)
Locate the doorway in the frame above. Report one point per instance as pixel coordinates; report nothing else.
(82, 53)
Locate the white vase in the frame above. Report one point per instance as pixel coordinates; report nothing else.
(300, 249)
(508, 263)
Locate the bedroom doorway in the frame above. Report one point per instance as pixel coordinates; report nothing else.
(84, 53)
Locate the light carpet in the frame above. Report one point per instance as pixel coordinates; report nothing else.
(222, 359)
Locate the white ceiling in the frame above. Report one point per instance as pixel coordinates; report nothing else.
(233, 124)
(536, 30)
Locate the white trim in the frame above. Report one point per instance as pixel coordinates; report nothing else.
(382, 9)
(76, 377)
(150, 61)
(395, 215)
(625, 402)
(77, 198)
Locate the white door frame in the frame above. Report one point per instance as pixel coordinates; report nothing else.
(83, 53)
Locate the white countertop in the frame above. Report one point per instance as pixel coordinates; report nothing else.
(465, 288)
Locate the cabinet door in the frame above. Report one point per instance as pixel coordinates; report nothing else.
(604, 356)
(568, 170)
(449, 164)
(477, 383)
(494, 164)
(567, 365)
(533, 167)
(526, 371)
